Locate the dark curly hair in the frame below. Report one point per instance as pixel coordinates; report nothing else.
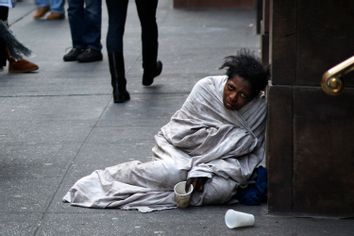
(246, 65)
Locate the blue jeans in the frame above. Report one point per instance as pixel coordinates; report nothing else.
(117, 13)
(85, 18)
(54, 5)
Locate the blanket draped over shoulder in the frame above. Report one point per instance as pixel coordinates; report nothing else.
(202, 139)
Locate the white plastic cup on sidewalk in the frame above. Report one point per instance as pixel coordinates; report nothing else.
(181, 196)
(236, 219)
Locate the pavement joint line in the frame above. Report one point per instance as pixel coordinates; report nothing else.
(65, 173)
(14, 143)
(87, 94)
(56, 95)
(21, 18)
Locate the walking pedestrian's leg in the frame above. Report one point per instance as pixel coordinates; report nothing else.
(118, 80)
(149, 37)
(117, 13)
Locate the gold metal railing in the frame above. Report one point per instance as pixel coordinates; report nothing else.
(331, 82)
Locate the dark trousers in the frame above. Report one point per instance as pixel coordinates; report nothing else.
(4, 13)
(117, 13)
(85, 17)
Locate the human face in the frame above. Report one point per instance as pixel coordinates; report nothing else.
(237, 93)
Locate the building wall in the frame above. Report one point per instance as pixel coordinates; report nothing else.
(310, 134)
(246, 4)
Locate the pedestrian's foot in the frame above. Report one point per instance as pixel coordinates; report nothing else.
(55, 16)
(90, 55)
(40, 12)
(148, 76)
(73, 54)
(120, 97)
(22, 66)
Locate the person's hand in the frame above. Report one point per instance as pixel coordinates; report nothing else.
(198, 184)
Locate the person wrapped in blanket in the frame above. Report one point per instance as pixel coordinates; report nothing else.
(215, 141)
(11, 49)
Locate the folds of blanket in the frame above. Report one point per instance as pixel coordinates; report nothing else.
(202, 139)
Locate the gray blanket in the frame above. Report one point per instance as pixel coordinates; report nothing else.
(202, 139)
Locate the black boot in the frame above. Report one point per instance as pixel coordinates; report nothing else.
(116, 67)
(151, 72)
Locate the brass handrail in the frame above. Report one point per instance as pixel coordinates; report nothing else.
(331, 82)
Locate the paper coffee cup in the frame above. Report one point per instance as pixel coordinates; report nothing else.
(181, 196)
(235, 219)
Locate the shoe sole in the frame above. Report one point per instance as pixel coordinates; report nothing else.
(86, 61)
(68, 60)
(122, 99)
(58, 17)
(50, 19)
(22, 71)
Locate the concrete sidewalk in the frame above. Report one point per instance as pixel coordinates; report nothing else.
(60, 124)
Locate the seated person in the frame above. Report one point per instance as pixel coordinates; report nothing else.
(214, 141)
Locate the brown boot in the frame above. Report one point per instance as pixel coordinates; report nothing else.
(21, 66)
(55, 16)
(40, 12)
